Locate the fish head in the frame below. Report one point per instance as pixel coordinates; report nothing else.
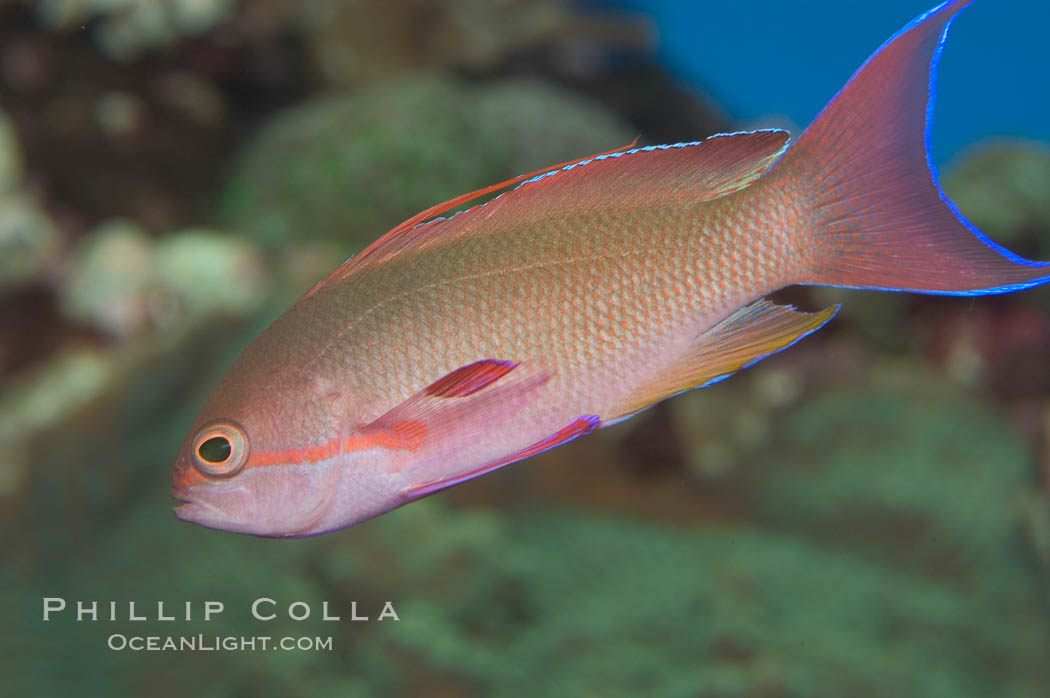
(277, 453)
(215, 487)
(222, 482)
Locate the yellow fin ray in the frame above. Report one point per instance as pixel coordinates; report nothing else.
(744, 338)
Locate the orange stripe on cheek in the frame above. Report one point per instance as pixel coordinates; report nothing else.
(400, 436)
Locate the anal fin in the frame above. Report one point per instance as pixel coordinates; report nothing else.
(742, 339)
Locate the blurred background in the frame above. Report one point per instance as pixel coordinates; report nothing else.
(864, 515)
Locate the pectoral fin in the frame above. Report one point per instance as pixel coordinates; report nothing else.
(577, 428)
(467, 399)
(742, 339)
(470, 378)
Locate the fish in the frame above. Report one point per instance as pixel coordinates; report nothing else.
(455, 345)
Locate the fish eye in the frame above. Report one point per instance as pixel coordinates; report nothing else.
(220, 449)
(217, 449)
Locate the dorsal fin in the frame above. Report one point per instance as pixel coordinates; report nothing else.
(395, 239)
(679, 175)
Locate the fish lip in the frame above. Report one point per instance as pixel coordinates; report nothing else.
(183, 510)
(188, 506)
(184, 504)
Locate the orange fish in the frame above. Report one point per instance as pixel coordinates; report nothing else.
(452, 347)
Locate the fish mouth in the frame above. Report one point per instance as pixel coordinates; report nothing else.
(196, 510)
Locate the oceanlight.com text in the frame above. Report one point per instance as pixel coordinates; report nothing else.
(217, 643)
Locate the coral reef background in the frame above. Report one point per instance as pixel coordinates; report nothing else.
(866, 514)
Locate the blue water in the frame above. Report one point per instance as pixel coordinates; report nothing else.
(776, 62)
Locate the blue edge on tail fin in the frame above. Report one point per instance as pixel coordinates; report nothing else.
(934, 67)
(928, 124)
(1013, 257)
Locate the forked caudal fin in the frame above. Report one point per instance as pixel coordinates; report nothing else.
(878, 217)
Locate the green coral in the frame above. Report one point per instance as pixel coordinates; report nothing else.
(867, 464)
(348, 168)
(585, 606)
